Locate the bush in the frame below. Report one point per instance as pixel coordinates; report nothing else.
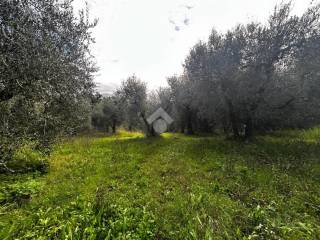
(27, 159)
(19, 192)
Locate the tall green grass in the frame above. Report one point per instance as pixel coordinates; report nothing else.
(127, 186)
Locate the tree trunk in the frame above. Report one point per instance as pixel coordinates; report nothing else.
(150, 130)
(248, 131)
(114, 126)
(225, 123)
(189, 123)
(234, 126)
(182, 127)
(233, 120)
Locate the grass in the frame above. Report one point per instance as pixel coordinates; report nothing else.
(127, 186)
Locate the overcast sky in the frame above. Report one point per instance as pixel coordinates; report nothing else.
(150, 38)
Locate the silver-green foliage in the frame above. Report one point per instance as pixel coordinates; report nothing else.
(46, 85)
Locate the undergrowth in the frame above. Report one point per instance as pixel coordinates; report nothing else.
(127, 186)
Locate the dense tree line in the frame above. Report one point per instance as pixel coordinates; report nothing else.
(256, 77)
(46, 72)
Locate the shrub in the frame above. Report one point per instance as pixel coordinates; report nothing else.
(19, 192)
(28, 159)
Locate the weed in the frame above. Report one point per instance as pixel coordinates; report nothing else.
(172, 187)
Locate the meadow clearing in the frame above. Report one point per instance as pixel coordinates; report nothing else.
(127, 186)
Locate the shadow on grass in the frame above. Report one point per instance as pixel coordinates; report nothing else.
(293, 154)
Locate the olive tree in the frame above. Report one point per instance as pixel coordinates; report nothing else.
(46, 81)
(250, 74)
(133, 93)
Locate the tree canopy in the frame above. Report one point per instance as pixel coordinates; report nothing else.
(46, 81)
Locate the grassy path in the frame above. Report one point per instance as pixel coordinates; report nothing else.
(193, 187)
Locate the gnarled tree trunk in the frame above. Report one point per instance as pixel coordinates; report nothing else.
(150, 130)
